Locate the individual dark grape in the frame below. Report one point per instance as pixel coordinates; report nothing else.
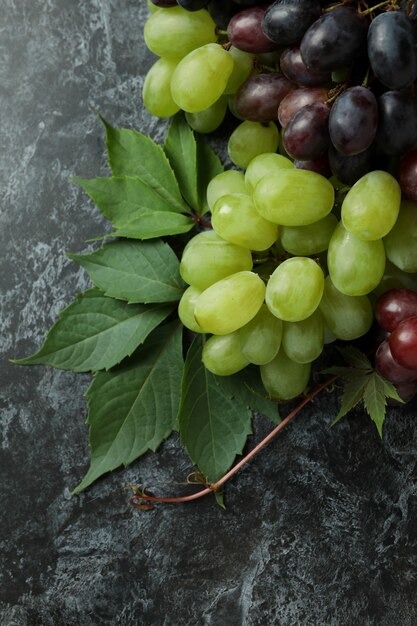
(193, 5)
(222, 12)
(397, 122)
(297, 99)
(353, 120)
(307, 133)
(407, 175)
(334, 40)
(403, 343)
(392, 41)
(164, 3)
(349, 169)
(394, 306)
(245, 31)
(286, 21)
(294, 68)
(388, 367)
(259, 97)
(319, 164)
(406, 391)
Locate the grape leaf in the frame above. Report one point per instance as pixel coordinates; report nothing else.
(96, 332)
(209, 166)
(133, 407)
(154, 224)
(351, 396)
(133, 154)
(139, 271)
(213, 426)
(181, 149)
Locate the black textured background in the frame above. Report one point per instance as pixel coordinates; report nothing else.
(320, 529)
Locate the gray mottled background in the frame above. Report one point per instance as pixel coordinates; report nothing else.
(320, 529)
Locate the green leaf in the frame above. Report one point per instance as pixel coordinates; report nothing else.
(355, 357)
(134, 271)
(96, 332)
(352, 395)
(134, 154)
(213, 426)
(153, 224)
(389, 389)
(347, 373)
(246, 388)
(375, 400)
(133, 408)
(219, 495)
(181, 149)
(209, 165)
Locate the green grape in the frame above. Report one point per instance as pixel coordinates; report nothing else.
(295, 288)
(243, 66)
(260, 339)
(395, 278)
(174, 32)
(293, 197)
(250, 139)
(330, 337)
(222, 355)
(310, 239)
(207, 258)
(283, 378)
(347, 317)
(230, 181)
(356, 266)
(303, 341)
(401, 242)
(186, 308)
(208, 120)
(201, 77)
(153, 8)
(235, 219)
(370, 208)
(156, 92)
(264, 164)
(230, 303)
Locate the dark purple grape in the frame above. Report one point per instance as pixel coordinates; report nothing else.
(245, 31)
(193, 5)
(392, 41)
(349, 169)
(294, 68)
(397, 123)
(353, 120)
(164, 3)
(407, 175)
(286, 21)
(259, 97)
(389, 368)
(319, 164)
(394, 306)
(403, 343)
(297, 99)
(307, 133)
(406, 391)
(334, 40)
(222, 12)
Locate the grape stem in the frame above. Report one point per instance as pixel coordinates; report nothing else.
(377, 6)
(140, 497)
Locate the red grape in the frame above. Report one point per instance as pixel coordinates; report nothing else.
(245, 31)
(394, 306)
(403, 343)
(389, 368)
(297, 99)
(407, 175)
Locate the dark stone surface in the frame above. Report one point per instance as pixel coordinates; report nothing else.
(320, 529)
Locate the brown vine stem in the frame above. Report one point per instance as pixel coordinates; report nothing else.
(139, 499)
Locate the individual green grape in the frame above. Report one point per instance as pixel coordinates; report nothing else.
(303, 341)
(230, 181)
(153, 8)
(222, 355)
(347, 317)
(401, 242)
(260, 339)
(310, 239)
(230, 303)
(295, 289)
(395, 278)
(370, 208)
(264, 164)
(356, 266)
(208, 120)
(250, 139)
(293, 197)
(235, 219)
(201, 77)
(174, 32)
(186, 308)
(156, 92)
(330, 337)
(243, 66)
(283, 378)
(207, 258)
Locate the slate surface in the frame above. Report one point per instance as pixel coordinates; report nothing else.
(321, 529)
